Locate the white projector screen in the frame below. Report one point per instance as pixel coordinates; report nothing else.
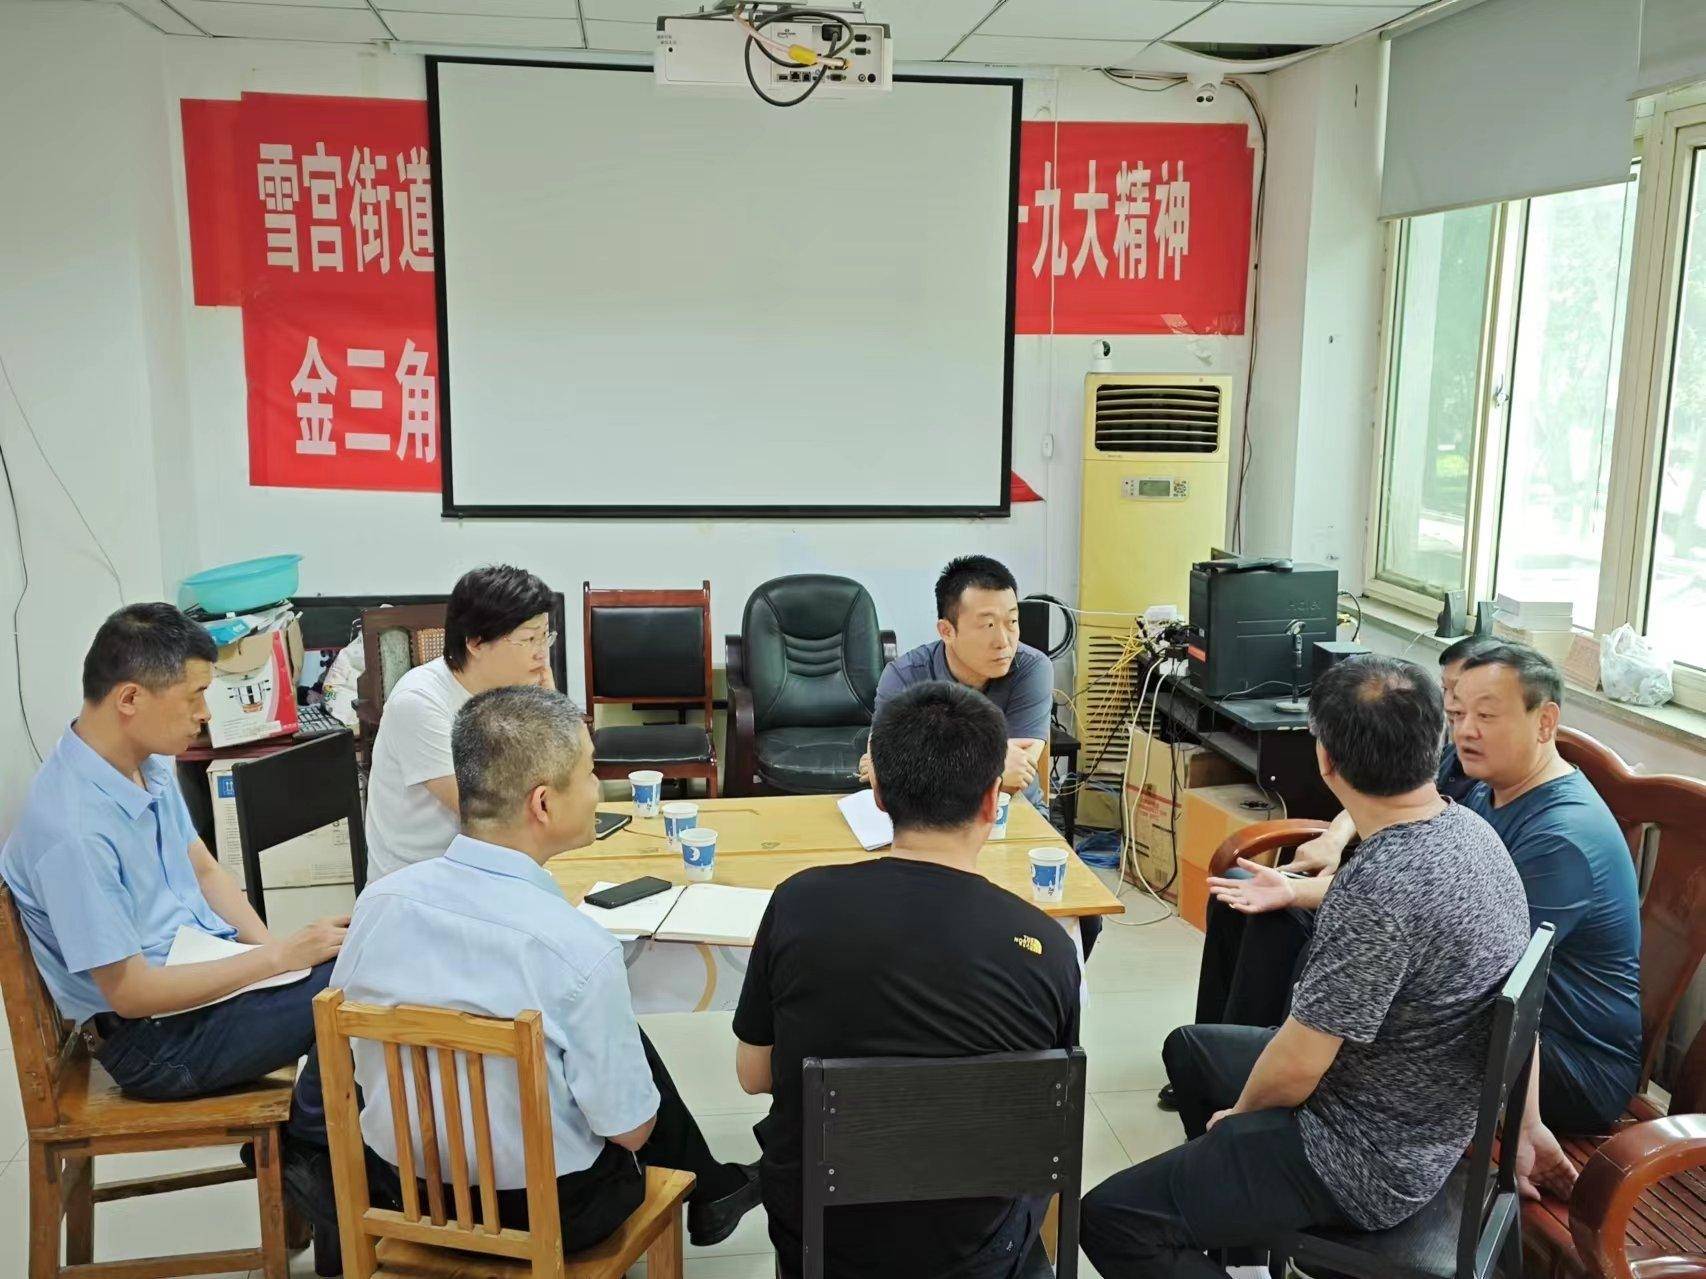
(656, 303)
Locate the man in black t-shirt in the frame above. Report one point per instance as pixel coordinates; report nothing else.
(911, 955)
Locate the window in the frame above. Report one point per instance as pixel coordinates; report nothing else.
(1545, 401)
(1431, 407)
(1676, 592)
(1563, 396)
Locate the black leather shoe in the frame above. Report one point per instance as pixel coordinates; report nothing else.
(307, 1175)
(715, 1221)
(1165, 1100)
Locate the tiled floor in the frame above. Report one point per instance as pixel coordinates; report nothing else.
(1142, 983)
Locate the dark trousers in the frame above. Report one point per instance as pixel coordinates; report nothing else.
(1249, 963)
(592, 1203)
(196, 1053)
(1240, 1184)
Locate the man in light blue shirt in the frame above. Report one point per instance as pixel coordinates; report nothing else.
(485, 929)
(106, 867)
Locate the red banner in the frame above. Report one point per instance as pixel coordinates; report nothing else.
(1133, 228)
(314, 215)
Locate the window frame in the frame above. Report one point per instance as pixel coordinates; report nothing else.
(1666, 142)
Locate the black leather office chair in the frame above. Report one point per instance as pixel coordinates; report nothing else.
(650, 649)
(290, 793)
(802, 678)
(902, 1129)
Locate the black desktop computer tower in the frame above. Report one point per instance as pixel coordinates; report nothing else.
(1241, 616)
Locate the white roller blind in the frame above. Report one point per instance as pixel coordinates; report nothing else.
(1673, 45)
(1507, 99)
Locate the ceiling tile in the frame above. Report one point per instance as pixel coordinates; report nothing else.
(282, 22)
(485, 8)
(162, 17)
(924, 30)
(1405, 5)
(1034, 50)
(1236, 22)
(1091, 19)
(621, 37)
(464, 28)
(305, 4)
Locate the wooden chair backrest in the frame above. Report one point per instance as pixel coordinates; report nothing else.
(42, 1040)
(594, 600)
(419, 620)
(408, 1034)
(1666, 815)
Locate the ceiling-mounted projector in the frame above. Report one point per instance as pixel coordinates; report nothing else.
(784, 53)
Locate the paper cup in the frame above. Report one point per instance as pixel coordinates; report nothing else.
(648, 788)
(699, 852)
(678, 817)
(1048, 874)
(1003, 806)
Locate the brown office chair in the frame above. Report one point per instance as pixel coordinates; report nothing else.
(449, 1239)
(650, 649)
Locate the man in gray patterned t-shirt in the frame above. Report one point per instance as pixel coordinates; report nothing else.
(1355, 1111)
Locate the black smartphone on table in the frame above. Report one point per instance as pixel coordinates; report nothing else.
(622, 894)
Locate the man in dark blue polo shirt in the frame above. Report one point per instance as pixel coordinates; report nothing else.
(1580, 878)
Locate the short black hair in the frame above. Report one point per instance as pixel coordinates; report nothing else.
(487, 604)
(1462, 650)
(1380, 720)
(1541, 682)
(968, 571)
(506, 741)
(146, 644)
(936, 749)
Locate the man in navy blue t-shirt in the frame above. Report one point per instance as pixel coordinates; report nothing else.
(1579, 876)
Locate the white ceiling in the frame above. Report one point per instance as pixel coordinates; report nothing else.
(1066, 32)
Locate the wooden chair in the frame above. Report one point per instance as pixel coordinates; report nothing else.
(903, 1129)
(75, 1112)
(448, 1240)
(290, 793)
(1639, 1208)
(650, 649)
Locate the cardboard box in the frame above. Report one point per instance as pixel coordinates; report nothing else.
(1209, 814)
(1152, 805)
(1555, 644)
(319, 857)
(253, 694)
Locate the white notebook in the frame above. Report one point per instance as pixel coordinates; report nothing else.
(192, 946)
(712, 913)
(870, 825)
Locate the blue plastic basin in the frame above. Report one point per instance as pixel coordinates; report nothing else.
(248, 584)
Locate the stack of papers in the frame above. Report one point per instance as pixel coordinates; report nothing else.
(1535, 615)
(871, 825)
(711, 913)
(192, 946)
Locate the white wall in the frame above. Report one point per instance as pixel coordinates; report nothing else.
(365, 542)
(89, 331)
(1314, 413)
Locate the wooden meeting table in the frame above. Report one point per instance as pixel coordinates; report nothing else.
(760, 842)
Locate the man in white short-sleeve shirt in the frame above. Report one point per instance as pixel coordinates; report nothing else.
(496, 634)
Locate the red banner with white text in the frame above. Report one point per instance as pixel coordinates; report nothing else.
(1133, 228)
(314, 215)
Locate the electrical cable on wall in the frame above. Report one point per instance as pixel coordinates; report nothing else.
(23, 558)
(1255, 302)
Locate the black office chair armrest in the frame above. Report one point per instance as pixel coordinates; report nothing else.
(740, 727)
(891, 649)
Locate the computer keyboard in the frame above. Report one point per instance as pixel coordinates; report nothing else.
(317, 721)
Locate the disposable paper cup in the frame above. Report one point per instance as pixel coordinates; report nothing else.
(699, 852)
(678, 817)
(1002, 806)
(648, 787)
(1048, 874)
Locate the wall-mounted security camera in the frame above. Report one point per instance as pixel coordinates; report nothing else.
(1205, 92)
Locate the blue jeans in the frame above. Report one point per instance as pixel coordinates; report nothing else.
(193, 1054)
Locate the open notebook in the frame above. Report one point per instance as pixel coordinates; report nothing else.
(192, 946)
(711, 913)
